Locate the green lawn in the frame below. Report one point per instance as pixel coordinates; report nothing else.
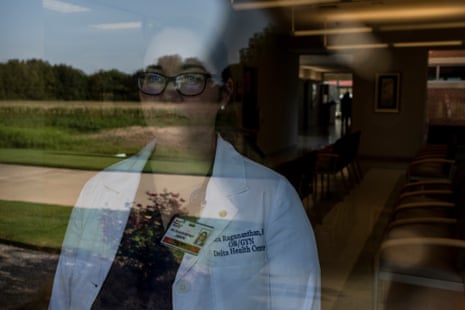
(56, 159)
(36, 225)
(97, 162)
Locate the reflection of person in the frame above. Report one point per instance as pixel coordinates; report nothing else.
(346, 112)
(201, 238)
(247, 261)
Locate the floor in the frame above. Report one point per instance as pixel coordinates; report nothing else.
(351, 226)
(348, 234)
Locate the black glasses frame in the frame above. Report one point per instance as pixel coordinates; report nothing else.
(141, 77)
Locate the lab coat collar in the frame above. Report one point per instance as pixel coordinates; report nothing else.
(228, 180)
(229, 174)
(128, 170)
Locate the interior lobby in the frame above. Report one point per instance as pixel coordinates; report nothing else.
(356, 46)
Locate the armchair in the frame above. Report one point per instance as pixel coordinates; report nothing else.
(427, 251)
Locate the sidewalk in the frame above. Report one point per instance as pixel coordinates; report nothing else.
(63, 186)
(42, 184)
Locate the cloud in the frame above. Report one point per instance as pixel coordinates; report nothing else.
(63, 7)
(118, 26)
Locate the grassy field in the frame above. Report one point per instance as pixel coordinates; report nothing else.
(89, 135)
(85, 127)
(80, 135)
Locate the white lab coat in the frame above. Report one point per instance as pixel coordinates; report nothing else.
(261, 255)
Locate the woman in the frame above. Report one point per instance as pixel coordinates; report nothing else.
(247, 261)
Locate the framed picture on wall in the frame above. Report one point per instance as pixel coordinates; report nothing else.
(387, 92)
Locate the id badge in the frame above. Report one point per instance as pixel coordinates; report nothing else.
(186, 235)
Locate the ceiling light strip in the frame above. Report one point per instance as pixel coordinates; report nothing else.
(398, 12)
(317, 32)
(423, 26)
(357, 46)
(428, 43)
(250, 5)
(396, 44)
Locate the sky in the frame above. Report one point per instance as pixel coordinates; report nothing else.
(93, 35)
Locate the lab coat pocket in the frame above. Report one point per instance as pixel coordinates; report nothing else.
(241, 287)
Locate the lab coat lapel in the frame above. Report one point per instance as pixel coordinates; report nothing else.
(120, 183)
(222, 204)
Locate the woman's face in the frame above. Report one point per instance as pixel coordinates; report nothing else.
(186, 86)
(181, 89)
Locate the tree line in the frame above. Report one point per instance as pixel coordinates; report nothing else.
(36, 79)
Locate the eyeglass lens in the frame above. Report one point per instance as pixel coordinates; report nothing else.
(188, 84)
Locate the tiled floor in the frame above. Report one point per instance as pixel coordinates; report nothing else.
(347, 237)
(349, 224)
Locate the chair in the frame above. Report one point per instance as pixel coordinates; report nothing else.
(435, 162)
(425, 251)
(436, 151)
(354, 164)
(301, 174)
(430, 169)
(339, 158)
(430, 198)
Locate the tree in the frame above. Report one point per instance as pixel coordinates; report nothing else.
(36, 79)
(72, 83)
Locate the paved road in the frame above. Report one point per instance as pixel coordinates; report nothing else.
(41, 184)
(62, 186)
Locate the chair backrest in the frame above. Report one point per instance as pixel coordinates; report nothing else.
(354, 144)
(458, 178)
(342, 148)
(300, 172)
(460, 217)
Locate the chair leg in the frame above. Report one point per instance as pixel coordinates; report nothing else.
(345, 182)
(375, 290)
(359, 169)
(315, 189)
(351, 179)
(355, 172)
(379, 291)
(328, 183)
(324, 184)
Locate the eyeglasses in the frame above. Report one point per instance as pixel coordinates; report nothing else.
(186, 84)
